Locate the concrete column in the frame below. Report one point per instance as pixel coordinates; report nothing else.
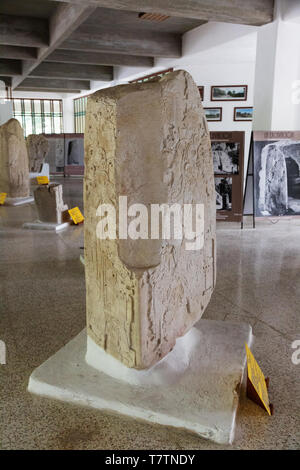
(68, 115)
(277, 75)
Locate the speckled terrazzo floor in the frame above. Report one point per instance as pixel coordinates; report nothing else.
(42, 306)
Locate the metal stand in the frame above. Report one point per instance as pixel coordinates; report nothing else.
(249, 197)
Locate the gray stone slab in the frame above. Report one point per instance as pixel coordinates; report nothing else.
(195, 387)
(18, 201)
(37, 225)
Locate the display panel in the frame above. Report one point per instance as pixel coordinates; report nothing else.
(228, 161)
(276, 173)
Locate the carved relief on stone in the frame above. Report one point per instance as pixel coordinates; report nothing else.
(148, 142)
(50, 204)
(14, 173)
(38, 148)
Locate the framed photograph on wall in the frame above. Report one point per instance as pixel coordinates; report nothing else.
(276, 160)
(201, 91)
(243, 113)
(229, 93)
(228, 160)
(213, 114)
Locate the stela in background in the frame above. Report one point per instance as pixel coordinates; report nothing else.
(14, 168)
(38, 149)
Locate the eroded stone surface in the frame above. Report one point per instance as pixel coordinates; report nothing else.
(14, 172)
(149, 142)
(50, 204)
(38, 148)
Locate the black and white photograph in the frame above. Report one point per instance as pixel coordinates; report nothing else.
(223, 194)
(226, 157)
(277, 177)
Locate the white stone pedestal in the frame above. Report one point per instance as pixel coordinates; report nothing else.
(44, 172)
(37, 225)
(18, 201)
(195, 387)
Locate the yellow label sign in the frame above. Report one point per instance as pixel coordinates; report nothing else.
(42, 179)
(257, 379)
(2, 198)
(76, 215)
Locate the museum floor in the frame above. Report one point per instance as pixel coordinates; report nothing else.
(42, 306)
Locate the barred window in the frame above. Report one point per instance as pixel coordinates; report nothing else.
(80, 103)
(79, 114)
(146, 78)
(39, 116)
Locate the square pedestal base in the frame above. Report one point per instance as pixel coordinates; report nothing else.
(37, 225)
(195, 387)
(18, 201)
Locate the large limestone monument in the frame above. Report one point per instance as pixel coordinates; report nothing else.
(144, 353)
(150, 143)
(14, 171)
(38, 149)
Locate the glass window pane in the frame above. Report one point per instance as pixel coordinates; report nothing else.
(28, 124)
(46, 106)
(56, 106)
(57, 129)
(27, 106)
(38, 125)
(17, 106)
(37, 106)
(48, 129)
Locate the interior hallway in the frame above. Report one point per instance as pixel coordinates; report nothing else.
(42, 306)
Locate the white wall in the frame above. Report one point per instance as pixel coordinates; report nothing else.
(6, 111)
(277, 71)
(68, 115)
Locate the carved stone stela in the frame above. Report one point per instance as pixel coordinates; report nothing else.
(14, 172)
(148, 142)
(50, 204)
(38, 149)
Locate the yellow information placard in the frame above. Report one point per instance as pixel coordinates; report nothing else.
(42, 179)
(257, 379)
(2, 198)
(76, 215)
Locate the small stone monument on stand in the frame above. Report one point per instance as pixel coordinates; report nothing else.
(52, 212)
